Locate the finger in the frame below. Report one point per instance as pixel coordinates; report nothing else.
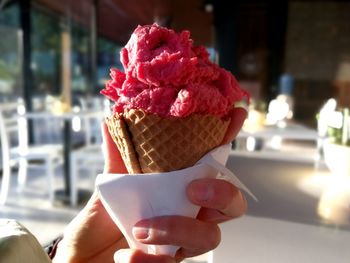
(217, 195)
(183, 253)
(107, 253)
(238, 116)
(137, 256)
(212, 215)
(176, 230)
(113, 160)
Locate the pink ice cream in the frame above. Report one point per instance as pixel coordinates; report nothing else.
(165, 74)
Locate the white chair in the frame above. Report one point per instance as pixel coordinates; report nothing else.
(16, 151)
(89, 156)
(46, 129)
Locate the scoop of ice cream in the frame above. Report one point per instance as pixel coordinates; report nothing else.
(165, 74)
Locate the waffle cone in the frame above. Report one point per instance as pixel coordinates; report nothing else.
(120, 135)
(150, 143)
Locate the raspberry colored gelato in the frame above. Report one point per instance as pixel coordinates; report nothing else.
(166, 75)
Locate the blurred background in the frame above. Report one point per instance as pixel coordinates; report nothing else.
(257, 40)
(292, 56)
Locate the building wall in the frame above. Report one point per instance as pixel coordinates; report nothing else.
(317, 41)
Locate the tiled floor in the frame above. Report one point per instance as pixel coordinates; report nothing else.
(302, 215)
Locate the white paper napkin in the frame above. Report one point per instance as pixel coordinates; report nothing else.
(130, 198)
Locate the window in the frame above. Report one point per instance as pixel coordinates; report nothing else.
(45, 44)
(108, 57)
(10, 52)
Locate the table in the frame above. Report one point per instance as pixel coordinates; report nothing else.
(64, 195)
(292, 131)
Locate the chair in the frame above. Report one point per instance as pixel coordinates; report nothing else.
(89, 155)
(16, 151)
(46, 129)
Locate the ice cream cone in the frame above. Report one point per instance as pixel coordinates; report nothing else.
(150, 143)
(120, 135)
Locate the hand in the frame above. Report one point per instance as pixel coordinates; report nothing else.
(229, 201)
(238, 116)
(93, 237)
(219, 200)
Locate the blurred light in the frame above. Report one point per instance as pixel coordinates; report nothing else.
(329, 116)
(335, 119)
(334, 202)
(76, 124)
(281, 124)
(276, 142)
(209, 8)
(325, 211)
(333, 193)
(76, 109)
(107, 107)
(325, 116)
(255, 121)
(23, 136)
(277, 111)
(314, 184)
(21, 109)
(330, 105)
(251, 143)
(255, 117)
(337, 158)
(280, 109)
(22, 126)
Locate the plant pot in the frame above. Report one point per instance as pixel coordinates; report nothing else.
(337, 158)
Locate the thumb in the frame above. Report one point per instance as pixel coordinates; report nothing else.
(113, 160)
(137, 256)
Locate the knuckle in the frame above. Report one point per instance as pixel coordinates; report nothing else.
(165, 230)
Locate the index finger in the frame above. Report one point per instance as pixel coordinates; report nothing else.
(238, 116)
(113, 160)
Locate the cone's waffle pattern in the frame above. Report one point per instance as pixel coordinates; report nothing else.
(120, 135)
(168, 144)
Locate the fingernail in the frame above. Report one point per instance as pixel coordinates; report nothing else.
(201, 191)
(140, 233)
